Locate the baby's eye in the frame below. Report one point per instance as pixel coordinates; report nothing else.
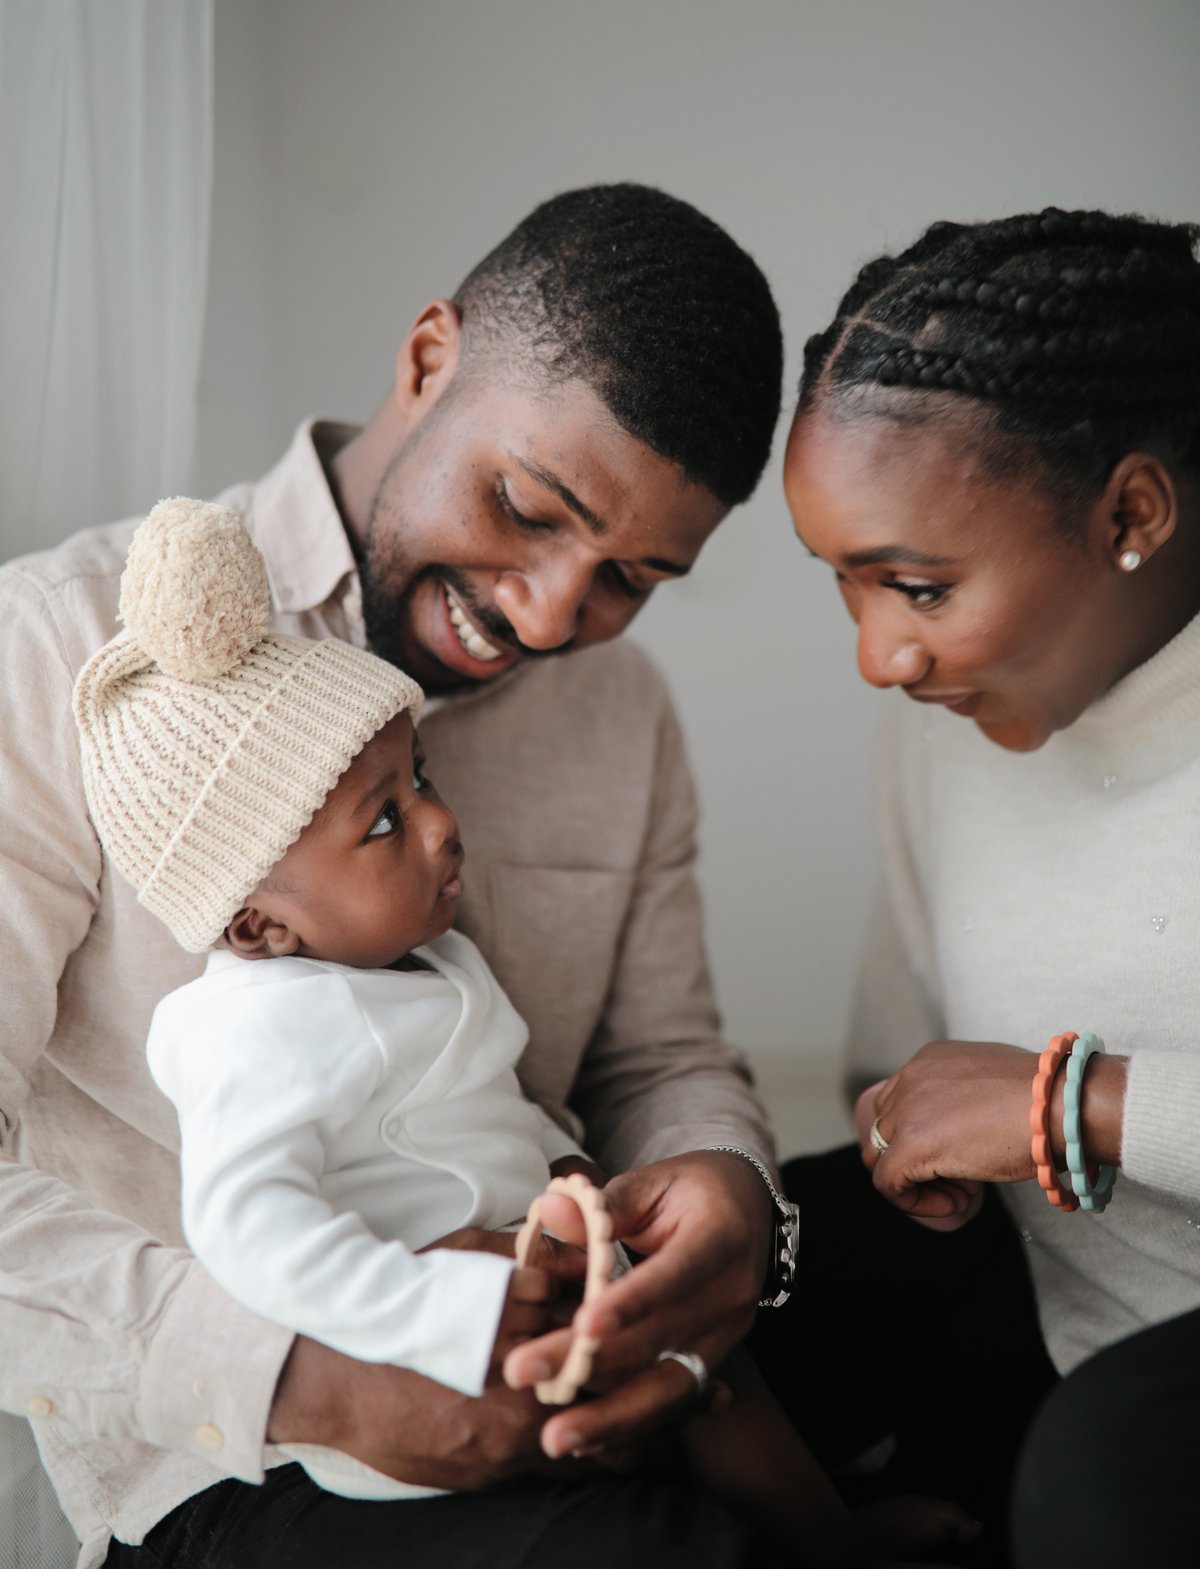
(421, 780)
(386, 823)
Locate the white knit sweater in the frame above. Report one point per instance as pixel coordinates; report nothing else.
(1028, 894)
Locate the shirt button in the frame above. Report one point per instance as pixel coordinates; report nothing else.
(210, 1438)
(40, 1406)
(392, 1128)
(200, 1389)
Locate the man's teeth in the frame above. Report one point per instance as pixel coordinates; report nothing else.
(474, 644)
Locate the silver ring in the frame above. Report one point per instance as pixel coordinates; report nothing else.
(878, 1143)
(695, 1366)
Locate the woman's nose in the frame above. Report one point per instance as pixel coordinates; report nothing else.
(889, 655)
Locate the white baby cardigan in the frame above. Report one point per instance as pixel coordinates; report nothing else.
(1060, 890)
(334, 1120)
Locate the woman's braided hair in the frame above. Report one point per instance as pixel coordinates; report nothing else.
(1079, 330)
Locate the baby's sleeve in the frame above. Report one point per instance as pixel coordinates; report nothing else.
(260, 1076)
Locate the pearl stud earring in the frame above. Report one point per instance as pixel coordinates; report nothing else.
(1129, 560)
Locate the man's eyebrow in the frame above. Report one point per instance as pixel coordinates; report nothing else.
(596, 524)
(899, 553)
(565, 494)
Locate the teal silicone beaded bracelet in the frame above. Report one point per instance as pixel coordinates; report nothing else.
(1093, 1187)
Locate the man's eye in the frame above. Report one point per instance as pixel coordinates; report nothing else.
(528, 524)
(386, 823)
(624, 584)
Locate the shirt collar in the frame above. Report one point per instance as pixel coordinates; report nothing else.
(297, 525)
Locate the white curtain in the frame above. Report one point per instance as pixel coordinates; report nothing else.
(106, 111)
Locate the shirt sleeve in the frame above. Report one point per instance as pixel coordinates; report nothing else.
(98, 1320)
(658, 1080)
(261, 1076)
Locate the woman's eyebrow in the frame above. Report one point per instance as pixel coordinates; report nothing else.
(899, 553)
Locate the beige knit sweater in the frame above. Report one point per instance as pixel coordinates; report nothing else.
(1026, 894)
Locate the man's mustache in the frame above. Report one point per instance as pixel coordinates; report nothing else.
(495, 627)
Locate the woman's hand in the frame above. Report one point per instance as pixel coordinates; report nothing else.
(955, 1116)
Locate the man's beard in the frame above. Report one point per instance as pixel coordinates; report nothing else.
(389, 589)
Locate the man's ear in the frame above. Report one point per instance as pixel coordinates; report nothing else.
(427, 359)
(256, 935)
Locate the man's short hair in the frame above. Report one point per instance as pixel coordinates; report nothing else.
(657, 309)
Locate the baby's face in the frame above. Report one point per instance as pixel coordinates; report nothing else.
(376, 872)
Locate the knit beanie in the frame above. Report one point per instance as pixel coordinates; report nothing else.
(209, 743)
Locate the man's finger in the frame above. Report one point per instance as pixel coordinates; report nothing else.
(532, 1285)
(536, 1360)
(659, 1284)
(566, 1262)
(657, 1396)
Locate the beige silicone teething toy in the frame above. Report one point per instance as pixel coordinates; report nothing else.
(597, 1224)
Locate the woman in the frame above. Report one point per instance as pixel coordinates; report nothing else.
(997, 451)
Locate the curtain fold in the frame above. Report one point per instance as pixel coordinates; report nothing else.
(106, 129)
(106, 115)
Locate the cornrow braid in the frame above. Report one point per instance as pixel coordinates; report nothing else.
(1079, 330)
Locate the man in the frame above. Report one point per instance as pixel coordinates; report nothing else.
(561, 436)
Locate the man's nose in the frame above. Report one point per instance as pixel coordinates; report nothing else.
(543, 601)
(888, 655)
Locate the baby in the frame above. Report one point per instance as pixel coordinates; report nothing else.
(353, 1100)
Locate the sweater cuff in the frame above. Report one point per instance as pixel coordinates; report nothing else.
(208, 1377)
(1162, 1113)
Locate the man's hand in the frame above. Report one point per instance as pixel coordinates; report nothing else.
(413, 1428)
(408, 1426)
(704, 1220)
(564, 1262)
(526, 1313)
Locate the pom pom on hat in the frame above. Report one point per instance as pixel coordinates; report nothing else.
(194, 593)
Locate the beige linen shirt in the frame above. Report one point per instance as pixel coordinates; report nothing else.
(144, 1382)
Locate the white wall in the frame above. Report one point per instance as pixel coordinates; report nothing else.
(369, 152)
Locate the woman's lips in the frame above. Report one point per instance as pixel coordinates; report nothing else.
(957, 702)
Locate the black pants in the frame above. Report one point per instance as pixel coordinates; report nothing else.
(1109, 1477)
(290, 1523)
(919, 1350)
(921, 1346)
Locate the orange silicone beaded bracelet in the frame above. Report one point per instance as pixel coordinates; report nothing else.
(1050, 1061)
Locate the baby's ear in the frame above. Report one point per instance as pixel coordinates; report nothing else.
(253, 934)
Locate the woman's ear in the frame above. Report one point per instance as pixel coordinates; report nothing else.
(1141, 507)
(253, 934)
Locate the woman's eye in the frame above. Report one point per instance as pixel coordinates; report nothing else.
(923, 595)
(386, 823)
(522, 521)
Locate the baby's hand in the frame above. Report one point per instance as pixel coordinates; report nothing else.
(527, 1313)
